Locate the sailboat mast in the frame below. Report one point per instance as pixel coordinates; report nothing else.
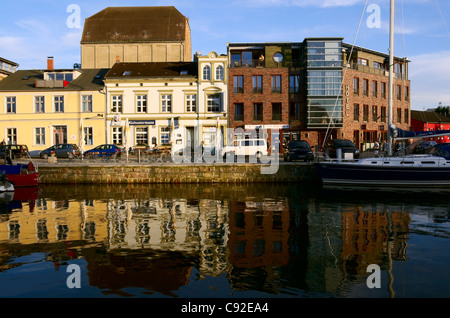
(391, 79)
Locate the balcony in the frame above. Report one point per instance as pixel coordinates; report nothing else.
(372, 70)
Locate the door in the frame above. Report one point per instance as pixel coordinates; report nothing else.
(60, 134)
(190, 139)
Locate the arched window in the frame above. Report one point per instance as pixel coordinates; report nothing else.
(219, 73)
(207, 72)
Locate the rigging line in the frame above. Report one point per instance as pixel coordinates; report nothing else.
(442, 17)
(343, 76)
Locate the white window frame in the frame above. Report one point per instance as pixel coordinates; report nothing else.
(206, 72)
(220, 73)
(39, 136)
(87, 105)
(58, 103)
(191, 103)
(11, 105)
(141, 103)
(39, 105)
(117, 135)
(117, 103)
(166, 103)
(210, 107)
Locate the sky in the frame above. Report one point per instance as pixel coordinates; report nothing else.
(31, 30)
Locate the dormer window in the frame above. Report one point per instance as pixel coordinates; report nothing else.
(220, 73)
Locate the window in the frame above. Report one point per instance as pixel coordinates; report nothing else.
(399, 115)
(207, 72)
(356, 112)
(257, 84)
(366, 113)
(191, 103)
(374, 113)
(117, 137)
(39, 136)
(11, 105)
(294, 84)
(86, 103)
(213, 103)
(258, 111)
(374, 89)
(378, 65)
(383, 90)
(406, 93)
(220, 74)
(294, 111)
(406, 116)
(59, 104)
(365, 87)
(141, 103)
(324, 83)
(362, 61)
(164, 135)
(276, 111)
(383, 114)
(11, 136)
(239, 111)
(399, 92)
(238, 84)
(356, 85)
(39, 104)
(88, 136)
(166, 103)
(276, 84)
(116, 104)
(141, 135)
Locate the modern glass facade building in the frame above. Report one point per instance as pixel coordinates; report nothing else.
(324, 77)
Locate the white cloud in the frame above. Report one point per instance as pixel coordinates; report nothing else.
(430, 78)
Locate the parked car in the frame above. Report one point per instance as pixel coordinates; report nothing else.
(441, 150)
(16, 151)
(61, 151)
(246, 147)
(105, 150)
(298, 150)
(346, 146)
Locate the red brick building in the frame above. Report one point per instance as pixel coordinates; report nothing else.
(316, 89)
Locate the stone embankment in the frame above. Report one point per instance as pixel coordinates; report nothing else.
(170, 173)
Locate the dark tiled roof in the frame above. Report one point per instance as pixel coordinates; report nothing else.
(134, 24)
(153, 69)
(24, 80)
(429, 117)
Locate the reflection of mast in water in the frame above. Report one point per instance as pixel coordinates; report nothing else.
(390, 240)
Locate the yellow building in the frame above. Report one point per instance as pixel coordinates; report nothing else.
(135, 34)
(41, 108)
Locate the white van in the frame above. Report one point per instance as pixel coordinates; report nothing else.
(246, 147)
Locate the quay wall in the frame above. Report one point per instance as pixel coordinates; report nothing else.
(172, 173)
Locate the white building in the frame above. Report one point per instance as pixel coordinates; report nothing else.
(167, 103)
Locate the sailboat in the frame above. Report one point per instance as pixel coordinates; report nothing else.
(404, 171)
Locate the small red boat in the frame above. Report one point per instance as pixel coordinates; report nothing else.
(21, 175)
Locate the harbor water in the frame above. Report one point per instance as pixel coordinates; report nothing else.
(251, 241)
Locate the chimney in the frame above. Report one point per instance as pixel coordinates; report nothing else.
(50, 63)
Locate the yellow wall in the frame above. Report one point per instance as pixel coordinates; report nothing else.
(25, 120)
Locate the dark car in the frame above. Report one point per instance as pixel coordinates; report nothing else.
(298, 150)
(441, 150)
(346, 146)
(105, 150)
(16, 151)
(61, 151)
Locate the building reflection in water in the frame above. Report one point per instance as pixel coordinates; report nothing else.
(260, 237)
